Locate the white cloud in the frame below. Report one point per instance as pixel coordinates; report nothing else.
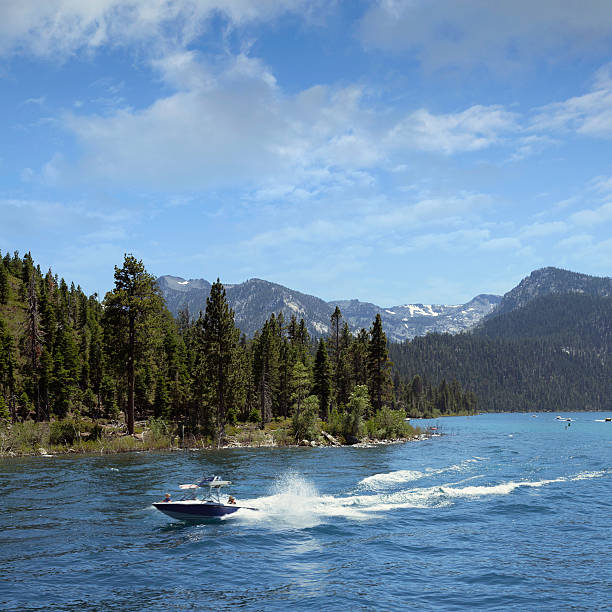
(590, 253)
(589, 114)
(36, 101)
(222, 128)
(603, 184)
(592, 216)
(453, 241)
(577, 242)
(505, 34)
(60, 27)
(230, 124)
(475, 128)
(539, 230)
(526, 146)
(508, 243)
(50, 174)
(382, 224)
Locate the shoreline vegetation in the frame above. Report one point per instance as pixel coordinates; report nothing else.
(80, 374)
(68, 437)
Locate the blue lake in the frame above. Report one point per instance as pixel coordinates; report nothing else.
(505, 511)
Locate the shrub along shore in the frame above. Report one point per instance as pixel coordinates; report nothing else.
(84, 436)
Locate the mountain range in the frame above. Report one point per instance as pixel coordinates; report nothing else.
(548, 346)
(255, 300)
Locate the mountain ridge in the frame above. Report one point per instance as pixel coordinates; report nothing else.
(255, 299)
(551, 280)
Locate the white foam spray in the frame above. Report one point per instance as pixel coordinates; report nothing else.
(295, 503)
(387, 480)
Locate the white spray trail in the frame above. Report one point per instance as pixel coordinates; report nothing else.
(389, 479)
(295, 502)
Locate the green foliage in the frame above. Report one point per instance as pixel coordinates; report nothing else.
(379, 366)
(215, 343)
(159, 431)
(358, 406)
(555, 351)
(335, 423)
(131, 314)
(350, 424)
(72, 358)
(96, 432)
(299, 384)
(4, 284)
(28, 436)
(254, 415)
(388, 424)
(322, 377)
(4, 409)
(304, 424)
(63, 432)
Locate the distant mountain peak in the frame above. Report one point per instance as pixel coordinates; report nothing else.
(254, 300)
(549, 280)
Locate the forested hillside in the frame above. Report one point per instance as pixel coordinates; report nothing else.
(552, 354)
(63, 354)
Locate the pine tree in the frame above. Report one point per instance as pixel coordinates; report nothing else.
(32, 340)
(266, 357)
(379, 377)
(345, 377)
(162, 401)
(4, 283)
(7, 368)
(358, 357)
(219, 343)
(128, 308)
(300, 385)
(322, 379)
(334, 345)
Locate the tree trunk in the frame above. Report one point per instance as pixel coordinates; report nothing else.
(129, 417)
(220, 403)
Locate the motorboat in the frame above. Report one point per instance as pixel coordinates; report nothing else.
(200, 501)
(560, 418)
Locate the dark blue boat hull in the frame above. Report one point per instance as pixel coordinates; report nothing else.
(195, 512)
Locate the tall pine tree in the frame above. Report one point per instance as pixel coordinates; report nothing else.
(379, 366)
(322, 379)
(128, 309)
(219, 343)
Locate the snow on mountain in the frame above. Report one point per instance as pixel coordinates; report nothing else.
(255, 300)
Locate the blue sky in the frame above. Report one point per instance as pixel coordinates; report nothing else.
(394, 151)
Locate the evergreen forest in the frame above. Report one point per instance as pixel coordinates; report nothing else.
(553, 354)
(124, 358)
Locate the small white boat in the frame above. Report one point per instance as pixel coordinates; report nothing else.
(560, 418)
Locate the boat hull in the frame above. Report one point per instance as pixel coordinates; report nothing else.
(195, 512)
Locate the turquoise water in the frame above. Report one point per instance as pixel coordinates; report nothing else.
(509, 512)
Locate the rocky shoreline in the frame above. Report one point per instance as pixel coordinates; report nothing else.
(229, 444)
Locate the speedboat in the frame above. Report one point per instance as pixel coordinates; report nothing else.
(200, 501)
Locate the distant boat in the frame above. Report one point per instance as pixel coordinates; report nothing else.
(560, 418)
(200, 502)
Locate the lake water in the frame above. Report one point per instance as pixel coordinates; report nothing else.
(509, 512)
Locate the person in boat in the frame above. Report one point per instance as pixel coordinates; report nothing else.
(167, 498)
(231, 500)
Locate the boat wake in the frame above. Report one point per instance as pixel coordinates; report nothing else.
(507, 487)
(390, 479)
(296, 503)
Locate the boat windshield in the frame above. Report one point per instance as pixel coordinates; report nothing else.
(206, 490)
